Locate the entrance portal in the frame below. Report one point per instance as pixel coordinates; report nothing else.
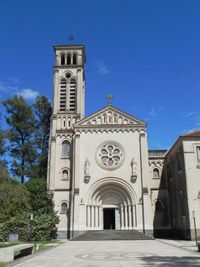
(109, 218)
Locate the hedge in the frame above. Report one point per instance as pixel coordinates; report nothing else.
(37, 229)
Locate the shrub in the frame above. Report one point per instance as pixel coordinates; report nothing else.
(37, 229)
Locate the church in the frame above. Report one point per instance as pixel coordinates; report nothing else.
(100, 171)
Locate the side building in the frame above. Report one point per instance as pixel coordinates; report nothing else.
(182, 167)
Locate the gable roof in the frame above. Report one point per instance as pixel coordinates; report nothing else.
(195, 133)
(110, 116)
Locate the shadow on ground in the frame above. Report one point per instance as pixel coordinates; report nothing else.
(171, 261)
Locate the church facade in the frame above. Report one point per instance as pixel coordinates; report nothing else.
(100, 171)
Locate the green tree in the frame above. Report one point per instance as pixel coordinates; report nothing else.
(4, 175)
(2, 142)
(40, 200)
(14, 200)
(44, 216)
(42, 112)
(21, 124)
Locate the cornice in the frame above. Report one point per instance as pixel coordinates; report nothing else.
(65, 131)
(61, 189)
(103, 129)
(56, 67)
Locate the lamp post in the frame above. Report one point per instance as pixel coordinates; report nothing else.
(31, 220)
(195, 227)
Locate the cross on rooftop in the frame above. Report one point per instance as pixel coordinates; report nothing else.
(109, 98)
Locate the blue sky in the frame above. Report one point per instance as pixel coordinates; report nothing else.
(146, 53)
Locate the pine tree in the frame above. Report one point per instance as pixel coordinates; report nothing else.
(42, 112)
(4, 175)
(21, 124)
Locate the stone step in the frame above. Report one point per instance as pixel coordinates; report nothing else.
(111, 235)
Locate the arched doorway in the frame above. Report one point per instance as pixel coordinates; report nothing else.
(111, 204)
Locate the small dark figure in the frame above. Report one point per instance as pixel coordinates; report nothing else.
(54, 232)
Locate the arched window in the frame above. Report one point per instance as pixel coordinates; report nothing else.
(64, 208)
(156, 173)
(72, 95)
(65, 149)
(74, 59)
(65, 175)
(62, 59)
(68, 59)
(63, 87)
(158, 206)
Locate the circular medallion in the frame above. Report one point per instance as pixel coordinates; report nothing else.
(110, 155)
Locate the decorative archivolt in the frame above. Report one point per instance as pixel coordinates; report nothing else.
(110, 117)
(156, 163)
(111, 186)
(64, 137)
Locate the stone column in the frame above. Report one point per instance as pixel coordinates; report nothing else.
(57, 60)
(56, 90)
(101, 217)
(88, 216)
(90, 221)
(92, 216)
(126, 216)
(122, 216)
(130, 224)
(133, 215)
(96, 217)
(59, 123)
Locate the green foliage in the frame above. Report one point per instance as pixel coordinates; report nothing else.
(42, 226)
(4, 175)
(14, 199)
(18, 201)
(21, 124)
(28, 136)
(38, 229)
(2, 141)
(3, 168)
(44, 216)
(41, 202)
(3, 231)
(42, 112)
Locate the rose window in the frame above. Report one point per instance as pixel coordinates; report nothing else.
(110, 156)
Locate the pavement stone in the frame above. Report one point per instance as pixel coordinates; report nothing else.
(114, 254)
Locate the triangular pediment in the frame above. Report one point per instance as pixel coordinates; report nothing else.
(110, 116)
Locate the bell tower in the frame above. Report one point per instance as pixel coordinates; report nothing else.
(69, 82)
(68, 108)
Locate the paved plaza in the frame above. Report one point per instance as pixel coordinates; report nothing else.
(113, 254)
